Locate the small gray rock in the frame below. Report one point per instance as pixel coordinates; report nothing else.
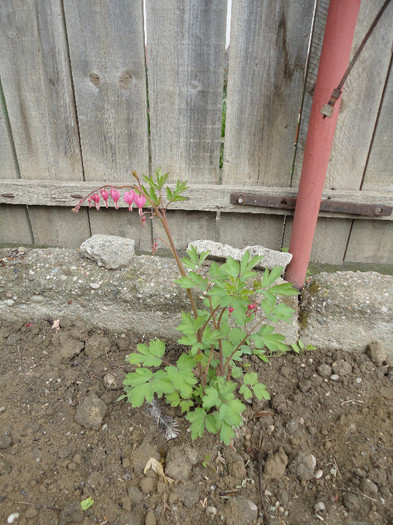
(72, 513)
(64, 451)
(377, 353)
(368, 487)
(110, 251)
(37, 299)
(6, 441)
(114, 380)
(91, 412)
(341, 367)
(324, 371)
(303, 466)
(271, 258)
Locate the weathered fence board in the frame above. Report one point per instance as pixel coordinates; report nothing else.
(37, 87)
(84, 109)
(107, 54)
(14, 221)
(267, 60)
(185, 60)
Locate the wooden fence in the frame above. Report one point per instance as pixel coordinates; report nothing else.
(85, 100)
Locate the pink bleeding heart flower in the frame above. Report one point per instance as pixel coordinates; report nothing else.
(96, 199)
(230, 310)
(89, 201)
(140, 201)
(129, 198)
(105, 196)
(115, 196)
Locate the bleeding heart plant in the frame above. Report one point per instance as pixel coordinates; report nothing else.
(210, 378)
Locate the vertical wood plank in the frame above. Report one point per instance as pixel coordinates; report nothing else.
(379, 172)
(361, 99)
(311, 78)
(371, 242)
(38, 93)
(107, 53)
(37, 88)
(186, 58)
(330, 239)
(267, 60)
(14, 221)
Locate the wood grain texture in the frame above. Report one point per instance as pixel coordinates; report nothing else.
(124, 224)
(199, 197)
(330, 239)
(37, 87)
(106, 45)
(371, 242)
(186, 57)
(309, 86)
(14, 225)
(267, 61)
(379, 171)
(265, 230)
(361, 99)
(58, 227)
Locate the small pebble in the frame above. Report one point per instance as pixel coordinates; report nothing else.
(320, 507)
(37, 299)
(334, 377)
(358, 380)
(95, 286)
(318, 474)
(211, 511)
(13, 517)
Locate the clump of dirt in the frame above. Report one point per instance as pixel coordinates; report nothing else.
(319, 451)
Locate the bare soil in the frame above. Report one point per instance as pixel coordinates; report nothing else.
(340, 413)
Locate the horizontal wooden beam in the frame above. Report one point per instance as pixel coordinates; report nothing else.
(204, 198)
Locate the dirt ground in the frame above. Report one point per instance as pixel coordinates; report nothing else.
(323, 444)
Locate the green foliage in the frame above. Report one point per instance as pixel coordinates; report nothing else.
(87, 503)
(210, 379)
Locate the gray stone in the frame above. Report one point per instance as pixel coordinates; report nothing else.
(271, 258)
(368, 487)
(5, 441)
(303, 466)
(377, 353)
(325, 371)
(37, 299)
(356, 307)
(276, 464)
(114, 380)
(91, 412)
(72, 513)
(341, 367)
(178, 464)
(110, 251)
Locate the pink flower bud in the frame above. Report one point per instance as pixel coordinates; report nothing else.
(115, 196)
(140, 201)
(105, 196)
(96, 199)
(252, 306)
(129, 198)
(89, 201)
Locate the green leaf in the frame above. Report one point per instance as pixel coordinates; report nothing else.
(87, 503)
(161, 383)
(197, 420)
(212, 424)
(137, 395)
(140, 376)
(260, 391)
(270, 277)
(185, 282)
(230, 412)
(186, 404)
(173, 399)
(245, 392)
(251, 378)
(226, 433)
(284, 289)
(148, 355)
(211, 398)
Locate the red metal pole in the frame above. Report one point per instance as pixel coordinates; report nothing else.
(335, 54)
